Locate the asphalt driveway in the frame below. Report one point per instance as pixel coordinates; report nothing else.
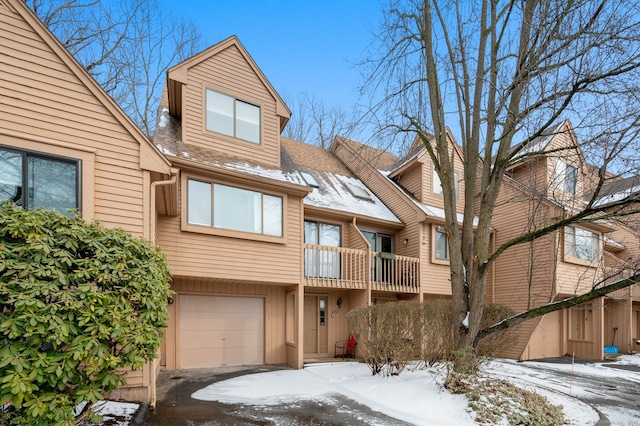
(176, 407)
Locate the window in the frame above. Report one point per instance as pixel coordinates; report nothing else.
(33, 180)
(233, 117)
(441, 244)
(325, 262)
(437, 183)
(233, 208)
(566, 177)
(582, 244)
(358, 191)
(311, 181)
(580, 322)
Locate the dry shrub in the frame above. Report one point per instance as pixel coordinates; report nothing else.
(497, 342)
(392, 335)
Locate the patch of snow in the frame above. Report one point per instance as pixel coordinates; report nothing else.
(165, 150)
(413, 396)
(275, 174)
(164, 120)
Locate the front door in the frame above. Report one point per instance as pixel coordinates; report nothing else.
(315, 325)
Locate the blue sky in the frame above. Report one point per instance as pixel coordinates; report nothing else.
(301, 46)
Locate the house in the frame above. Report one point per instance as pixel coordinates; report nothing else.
(65, 144)
(541, 187)
(271, 241)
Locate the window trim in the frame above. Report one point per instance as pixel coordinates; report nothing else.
(235, 99)
(231, 233)
(593, 263)
(29, 153)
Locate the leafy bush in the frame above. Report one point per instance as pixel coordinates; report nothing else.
(78, 301)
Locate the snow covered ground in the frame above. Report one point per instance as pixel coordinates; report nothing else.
(418, 398)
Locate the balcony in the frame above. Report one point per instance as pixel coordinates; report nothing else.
(348, 268)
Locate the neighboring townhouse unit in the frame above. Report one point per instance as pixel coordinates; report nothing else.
(622, 259)
(65, 144)
(548, 183)
(412, 190)
(355, 249)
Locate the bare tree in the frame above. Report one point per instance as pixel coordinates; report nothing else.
(125, 45)
(501, 73)
(315, 123)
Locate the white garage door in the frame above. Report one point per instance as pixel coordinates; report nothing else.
(217, 331)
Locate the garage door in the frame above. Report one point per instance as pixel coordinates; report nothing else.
(216, 331)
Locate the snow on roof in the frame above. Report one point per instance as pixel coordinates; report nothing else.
(617, 196)
(333, 193)
(610, 241)
(276, 174)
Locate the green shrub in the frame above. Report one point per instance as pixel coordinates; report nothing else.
(78, 301)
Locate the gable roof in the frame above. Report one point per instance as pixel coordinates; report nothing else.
(177, 77)
(150, 157)
(378, 158)
(336, 187)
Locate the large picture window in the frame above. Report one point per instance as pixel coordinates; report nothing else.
(232, 117)
(582, 244)
(237, 209)
(35, 181)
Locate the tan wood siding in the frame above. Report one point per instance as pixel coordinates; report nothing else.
(203, 255)
(229, 73)
(411, 180)
(42, 98)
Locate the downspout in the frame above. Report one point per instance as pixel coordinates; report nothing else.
(152, 238)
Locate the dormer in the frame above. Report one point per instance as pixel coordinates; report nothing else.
(553, 165)
(226, 104)
(416, 173)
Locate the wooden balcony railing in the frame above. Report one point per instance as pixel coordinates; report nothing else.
(341, 267)
(390, 272)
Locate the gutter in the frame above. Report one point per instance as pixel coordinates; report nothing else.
(152, 237)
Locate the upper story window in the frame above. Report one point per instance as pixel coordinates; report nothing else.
(437, 183)
(34, 180)
(565, 177)
(441, 244)
(582, 244)
(236, 209)
(233, 117)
